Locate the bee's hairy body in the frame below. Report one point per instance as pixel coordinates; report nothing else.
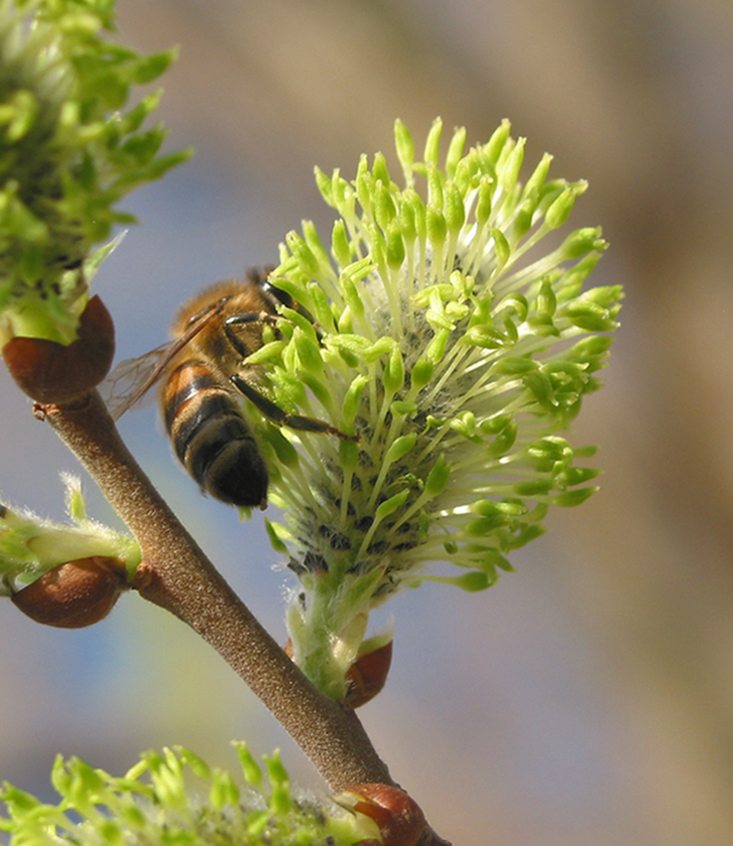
(204, 375)
(202, 411)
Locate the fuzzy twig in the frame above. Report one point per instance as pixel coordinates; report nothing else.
(176, 575)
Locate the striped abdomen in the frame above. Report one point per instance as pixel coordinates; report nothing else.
(211, 437)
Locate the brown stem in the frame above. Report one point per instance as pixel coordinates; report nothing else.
(176, 575)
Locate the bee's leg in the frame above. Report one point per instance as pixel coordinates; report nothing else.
(277, 297)
(282, 418)
(246, 317)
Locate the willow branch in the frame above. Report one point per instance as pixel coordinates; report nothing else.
(176, 575)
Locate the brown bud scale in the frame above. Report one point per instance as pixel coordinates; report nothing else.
(73, 595)
(401, 821)
(50, 372)
(367, 675)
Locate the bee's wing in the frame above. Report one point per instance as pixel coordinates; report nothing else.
(130, 382)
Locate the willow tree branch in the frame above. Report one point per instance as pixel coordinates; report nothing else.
(176, 575)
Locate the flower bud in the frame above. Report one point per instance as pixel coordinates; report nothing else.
(401, 821)
(432, 143)
(367, 675)
(50, 372)
(405, 148)
(73, 595)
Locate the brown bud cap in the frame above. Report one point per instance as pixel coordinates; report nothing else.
(50, 372)
(73, 595)
(401, 821)
(367, 675)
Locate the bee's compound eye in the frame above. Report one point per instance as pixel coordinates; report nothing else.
(73, 595)
(50, 372)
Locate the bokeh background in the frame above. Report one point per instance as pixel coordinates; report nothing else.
(588, 697)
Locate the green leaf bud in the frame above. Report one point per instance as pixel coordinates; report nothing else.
(471, 582)
(391, 505)
(422, 373)
(280, 801)
(436, 226)
(537, 487)
(408, 224)
(314, 243)
(497, 141)
(400, 447)
(395, 245)
(503, 250)
(351, 295)
(394, 371)
(579, 475)
(546, 299)
(587, 349)
(497, 423)
(321, 307)
(436, 348)
(317, 387)
(589, 316)
(504, 440)
(432, 143)
(538, 177)
(380, 172)
(569, 499)
(437, 478)
(275, 541)
(455, 151)
(363, 184)
(384, 207)
(351, 398)
(250, 768)
(404, 407)
(510, 174)
(223, 792)
(514, 366)
(483, 204)
(302, 253)
(376, 350)
(559, 211)
(405, 149)
(540, 386)
(490, 508)
(524, 218)
(580, 242)
(348, 455)
(308, 351)
(379, 246)
(435, 188)
(324, 185)
(455, 213)
(516, 304)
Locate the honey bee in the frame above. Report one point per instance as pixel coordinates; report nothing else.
(203, 372)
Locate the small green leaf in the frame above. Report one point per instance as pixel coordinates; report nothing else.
(570, 499)
(250, 768)
(400, 447)
(275, 541)
(391, 505)
(405, 149)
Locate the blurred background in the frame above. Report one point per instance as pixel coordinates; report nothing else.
(586, 698)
